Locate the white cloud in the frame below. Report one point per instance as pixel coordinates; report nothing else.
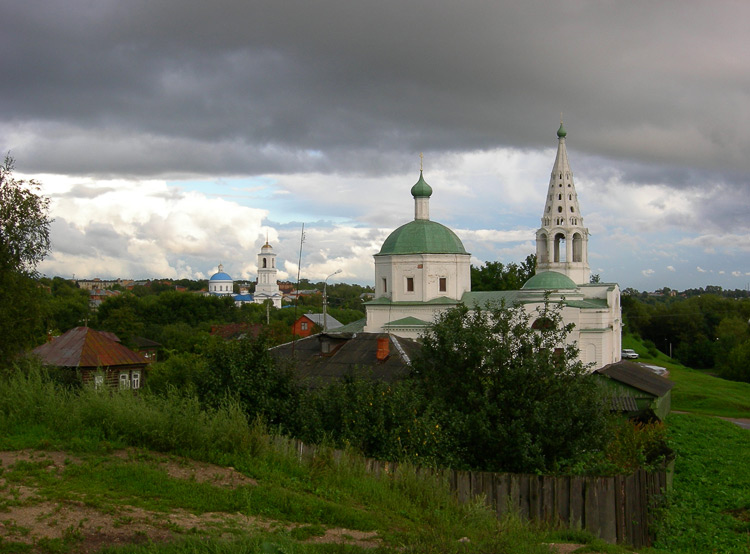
(647, 272)
(700, 269)
(670, 268)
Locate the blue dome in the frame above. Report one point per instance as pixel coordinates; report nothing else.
(221, 276)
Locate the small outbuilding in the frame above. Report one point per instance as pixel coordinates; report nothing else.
(637, 392)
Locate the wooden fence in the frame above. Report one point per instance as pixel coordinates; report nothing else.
(618, 509)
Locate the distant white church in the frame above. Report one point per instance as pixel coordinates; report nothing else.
(423, 269)
(266, 288)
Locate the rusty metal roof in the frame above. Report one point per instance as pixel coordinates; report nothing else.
(637, 376)
(87, 348)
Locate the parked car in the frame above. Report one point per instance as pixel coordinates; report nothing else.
(629, 354)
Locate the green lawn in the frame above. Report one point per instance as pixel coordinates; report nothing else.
(709, 508)
(696, 391)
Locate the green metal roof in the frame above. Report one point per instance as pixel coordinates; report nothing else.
(549, 280)
(407, 322)
(561, 132)
(422, 236)
(421, 189)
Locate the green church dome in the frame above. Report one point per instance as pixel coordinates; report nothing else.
(421, 189)
(422, 236)
(561, 132)
(549, 280)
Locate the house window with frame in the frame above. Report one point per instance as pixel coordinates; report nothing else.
(443, 284)
(303, 325)
(124, 380)
(98, 381)
(136, 380)
(410, 284)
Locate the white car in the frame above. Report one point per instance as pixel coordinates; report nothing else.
(629, 354)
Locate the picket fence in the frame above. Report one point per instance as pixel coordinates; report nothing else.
(618, 509)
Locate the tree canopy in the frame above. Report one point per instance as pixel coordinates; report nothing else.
(512, 397)
(24, 242)
(497, 276)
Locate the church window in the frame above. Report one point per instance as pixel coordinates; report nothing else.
(559, 248)
(559, 209)
(571, 209)
(543, 323)
(443, 284)
(385, 285)
(568, 185)
(560, 185)
(549, 208)
(570, 197)
(273, 264)
(560, 175)
(559, 196)
(410, 284)
(264, 263)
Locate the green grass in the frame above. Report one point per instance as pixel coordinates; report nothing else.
(709, 508)
(696, 391)
(300, 498)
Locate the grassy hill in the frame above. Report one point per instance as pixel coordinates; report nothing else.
(697, 391)
(101, 472)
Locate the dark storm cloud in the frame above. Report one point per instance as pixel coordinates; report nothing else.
(178, 88)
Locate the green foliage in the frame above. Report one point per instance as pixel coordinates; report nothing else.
(24, 242)
(708, 509)
(701, 331)
(381, 420)
(24, 222)
(496, 276)
(245, 370)
(409, 512)
(512, 398)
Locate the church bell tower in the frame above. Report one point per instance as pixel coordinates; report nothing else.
(562, 240)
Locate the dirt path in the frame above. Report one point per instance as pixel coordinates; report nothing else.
(27, 517)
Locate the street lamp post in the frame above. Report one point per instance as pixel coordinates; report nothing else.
(325, 300)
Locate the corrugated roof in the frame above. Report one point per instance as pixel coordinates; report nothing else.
(637, 376)
(317, 319)
(87, 348)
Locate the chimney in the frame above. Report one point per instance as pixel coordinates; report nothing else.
(384, 344)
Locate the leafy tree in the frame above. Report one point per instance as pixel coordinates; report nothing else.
(24, 242)
(512, 398)
(496, 276)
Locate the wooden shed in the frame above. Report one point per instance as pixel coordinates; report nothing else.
(637, 391)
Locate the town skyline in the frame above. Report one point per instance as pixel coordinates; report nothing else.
(172, 138)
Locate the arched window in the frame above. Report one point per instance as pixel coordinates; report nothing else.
(559, 247)
(264, 263)
(559, 196)
(541, 248)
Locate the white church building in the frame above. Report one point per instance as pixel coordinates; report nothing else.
(422, 269)
(266, 288)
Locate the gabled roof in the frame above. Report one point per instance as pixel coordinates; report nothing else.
(407, 322)
(317, 319)
(638, 377)
(86, 348)
(346, 355)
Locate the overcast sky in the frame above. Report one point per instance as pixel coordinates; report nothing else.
(172, 135)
